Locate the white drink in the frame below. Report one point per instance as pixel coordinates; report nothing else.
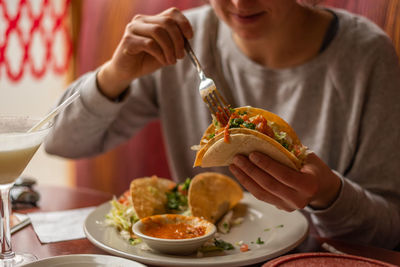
(17, 147)
(13, 162)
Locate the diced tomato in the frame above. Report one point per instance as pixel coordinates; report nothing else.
(223, 115)
(244, 248)
(124, 198)
(262, 126)
(182, 191)
(226, 134)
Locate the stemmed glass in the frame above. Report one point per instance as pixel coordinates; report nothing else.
(17, 147)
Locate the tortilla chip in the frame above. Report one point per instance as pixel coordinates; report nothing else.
(212, 194)
(216, 152)
(149, 195)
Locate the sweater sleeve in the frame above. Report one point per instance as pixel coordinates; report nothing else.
(367, 209)
(94, 124)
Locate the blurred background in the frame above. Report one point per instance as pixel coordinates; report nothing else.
(45, 44)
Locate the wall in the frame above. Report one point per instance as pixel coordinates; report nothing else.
(35, 54)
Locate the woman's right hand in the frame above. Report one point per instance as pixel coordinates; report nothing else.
(148, 43)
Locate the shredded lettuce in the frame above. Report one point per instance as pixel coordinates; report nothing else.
(121, 216)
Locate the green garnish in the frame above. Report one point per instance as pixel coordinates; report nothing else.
(222, 244)
(175, 199)
(211, 135)
(219, 245)
(186, 184)
(236, 122)
(249, 125)
(259, 241)
(282, 138)
(134, 241)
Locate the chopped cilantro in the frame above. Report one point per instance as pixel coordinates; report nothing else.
(134, 241)
(249, 125)
(186, 184)
(259, 241)
(231, 110)
(222, 244)
(211, 135)
(235, 123)
(219, 245)
(242, 113)
(285, 145)
(175, 199)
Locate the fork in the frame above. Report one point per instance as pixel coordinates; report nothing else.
(217, 105)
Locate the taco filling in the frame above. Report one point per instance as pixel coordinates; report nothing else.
(241, 119)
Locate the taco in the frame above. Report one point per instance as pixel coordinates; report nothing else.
(250, 129)
(149, 195)
(212, 194)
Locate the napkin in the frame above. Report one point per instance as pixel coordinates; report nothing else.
(59, 225)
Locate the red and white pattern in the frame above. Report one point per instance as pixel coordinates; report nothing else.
(35, 38)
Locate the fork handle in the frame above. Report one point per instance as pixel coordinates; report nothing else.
(193, 57)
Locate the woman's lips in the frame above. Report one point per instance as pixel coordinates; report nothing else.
(247, 19)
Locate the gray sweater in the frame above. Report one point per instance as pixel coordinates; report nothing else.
(343, 104)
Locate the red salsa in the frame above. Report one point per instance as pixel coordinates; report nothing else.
(171, 230)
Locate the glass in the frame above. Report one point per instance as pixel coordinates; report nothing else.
(17, 147)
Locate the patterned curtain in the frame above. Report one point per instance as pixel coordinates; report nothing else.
(102, 25)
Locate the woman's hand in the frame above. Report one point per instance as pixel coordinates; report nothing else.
(268, 180)
(149, 42)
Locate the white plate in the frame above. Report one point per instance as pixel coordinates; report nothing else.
(84, 260)
(281, 232)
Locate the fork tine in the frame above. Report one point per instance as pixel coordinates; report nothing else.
(222, 103)
(217, 105)
(209, 93)
(210, 103)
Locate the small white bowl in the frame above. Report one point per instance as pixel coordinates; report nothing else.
(174, 246)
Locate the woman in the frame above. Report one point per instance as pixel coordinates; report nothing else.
(333, 76)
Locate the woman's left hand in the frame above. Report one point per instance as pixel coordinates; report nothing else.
(270, 181)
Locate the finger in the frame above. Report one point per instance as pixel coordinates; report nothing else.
(175, 34)
(182, 22)
(145, 28)
(137, 44)
(269, 183)
(281, 172)
(256, 190)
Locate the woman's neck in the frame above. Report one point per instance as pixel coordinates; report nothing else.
(297, 40)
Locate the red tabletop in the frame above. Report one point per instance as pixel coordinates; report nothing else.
(63, 198)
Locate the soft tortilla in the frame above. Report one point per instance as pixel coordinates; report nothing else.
(149, 195)
(212, 194)
(216, 152)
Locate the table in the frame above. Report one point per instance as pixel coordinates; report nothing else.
(63, 198)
